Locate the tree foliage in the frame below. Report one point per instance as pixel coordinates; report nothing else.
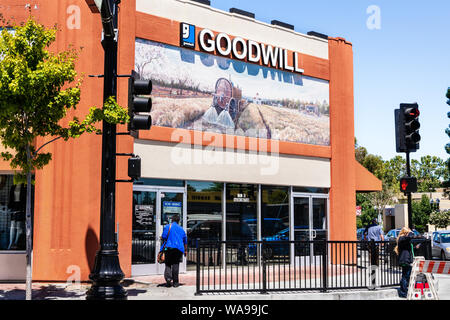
(430, 171)
(37, 89)
(440, 219)
(421, 211)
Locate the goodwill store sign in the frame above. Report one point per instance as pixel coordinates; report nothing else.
(241, 49)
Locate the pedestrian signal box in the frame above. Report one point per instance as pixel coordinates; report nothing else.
(408, 184)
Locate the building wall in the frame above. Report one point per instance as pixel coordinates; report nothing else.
(67, 211)
(343, 173)
(165, 160)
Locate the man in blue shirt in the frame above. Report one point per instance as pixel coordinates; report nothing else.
(174, 244)
(374, 232)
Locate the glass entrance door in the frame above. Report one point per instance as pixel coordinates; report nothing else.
(152, 211)
(309, 216)
(171, 203)
(143, 242)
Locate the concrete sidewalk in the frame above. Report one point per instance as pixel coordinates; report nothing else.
(147, 288)
(139, 291)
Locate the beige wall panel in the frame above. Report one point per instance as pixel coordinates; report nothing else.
(185, 162)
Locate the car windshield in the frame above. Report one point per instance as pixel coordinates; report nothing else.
(445, 237)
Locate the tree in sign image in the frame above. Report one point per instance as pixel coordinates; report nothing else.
(37, 89)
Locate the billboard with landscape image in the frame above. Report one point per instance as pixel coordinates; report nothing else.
(199, 91)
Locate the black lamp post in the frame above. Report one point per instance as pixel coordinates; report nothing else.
(107, 274)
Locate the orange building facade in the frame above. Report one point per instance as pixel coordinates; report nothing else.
(265, 143)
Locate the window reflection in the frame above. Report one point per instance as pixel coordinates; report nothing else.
(204, 218)
(275, 212)
(241, 211)
(144, 227)
(12, 214)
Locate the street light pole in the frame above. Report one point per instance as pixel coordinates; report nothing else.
(107, 274)
(408, 173)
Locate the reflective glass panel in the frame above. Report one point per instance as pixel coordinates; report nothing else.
(144, 227)
(241, 213)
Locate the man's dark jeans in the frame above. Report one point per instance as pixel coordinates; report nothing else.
(404, 282)
(173, 259)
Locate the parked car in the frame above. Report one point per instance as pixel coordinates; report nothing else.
(393, 234)
(440, 245)
(276, 247)
(360, 234)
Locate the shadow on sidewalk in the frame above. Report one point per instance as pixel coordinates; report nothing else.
(44, 292)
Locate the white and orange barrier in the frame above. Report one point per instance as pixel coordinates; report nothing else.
(425, 289)
(437, 267)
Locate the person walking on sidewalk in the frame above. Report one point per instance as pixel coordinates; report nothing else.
(174, 246)
(374, 233)
(405, 258)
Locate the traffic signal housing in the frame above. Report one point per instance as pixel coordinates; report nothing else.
(408, 184)
(139, 102)
(407, 127)
(134, 167)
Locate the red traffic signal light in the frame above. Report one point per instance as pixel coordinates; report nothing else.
(407, 127)
(408, 184)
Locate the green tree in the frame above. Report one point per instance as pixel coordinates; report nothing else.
(440, 219)
(37, 88)
(447, 148)
(430, 172)
(393, 170)
(360, 152)
(368, 211)
(421, 212)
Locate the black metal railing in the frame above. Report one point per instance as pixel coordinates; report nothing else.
(266, 266)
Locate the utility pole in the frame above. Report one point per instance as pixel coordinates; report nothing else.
(408, 173)
(407, 136)
(107, 274)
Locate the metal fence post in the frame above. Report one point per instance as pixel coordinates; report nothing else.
(197, 281)
(264, 266)
(325, 267)
(428, 254)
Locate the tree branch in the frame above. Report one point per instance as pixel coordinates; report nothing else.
(36, 152)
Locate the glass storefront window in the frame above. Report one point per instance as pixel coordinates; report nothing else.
(144, 227)
(204, 219)
(275, 212)
(12, 214)
(159, 182)
(310, 190)
(204, 210)
(241, 216)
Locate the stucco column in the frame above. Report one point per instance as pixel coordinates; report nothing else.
(342, 220)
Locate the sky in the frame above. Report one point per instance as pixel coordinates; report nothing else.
(401, 55)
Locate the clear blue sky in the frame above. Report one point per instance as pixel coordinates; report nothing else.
(406, 60)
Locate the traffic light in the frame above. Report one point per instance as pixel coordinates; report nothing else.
(134, 167)
(408, 184)
(137, 103)
(407, 127)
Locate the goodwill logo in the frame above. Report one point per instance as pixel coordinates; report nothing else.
(187, 35)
